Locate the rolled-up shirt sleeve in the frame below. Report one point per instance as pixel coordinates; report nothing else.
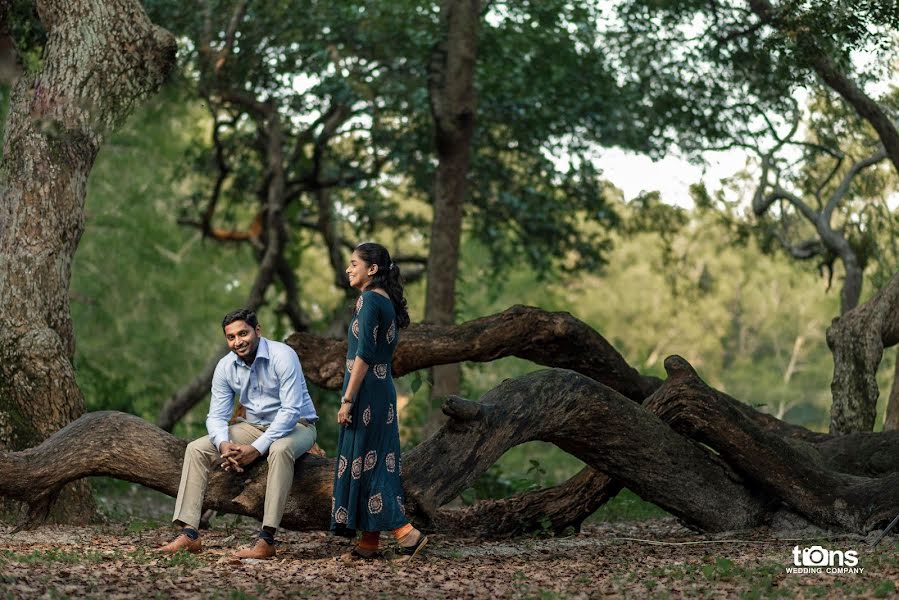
(292, 392)
(220, 407)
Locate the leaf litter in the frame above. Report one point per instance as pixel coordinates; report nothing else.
(657, 558)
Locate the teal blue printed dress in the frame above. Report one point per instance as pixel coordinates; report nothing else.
(368, 492)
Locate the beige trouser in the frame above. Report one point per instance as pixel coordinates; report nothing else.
(201, 455)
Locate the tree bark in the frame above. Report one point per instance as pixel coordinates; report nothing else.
(891, 416)
(557, 509)
(791, 472)
(857, 340)
(452, 96)
(100, 59)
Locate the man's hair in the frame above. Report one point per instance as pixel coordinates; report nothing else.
(241, 314)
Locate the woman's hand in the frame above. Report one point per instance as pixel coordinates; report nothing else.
(343, 415)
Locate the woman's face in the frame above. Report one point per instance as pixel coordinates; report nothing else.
(360, 272)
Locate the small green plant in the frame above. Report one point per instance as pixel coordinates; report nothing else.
(627, 506)
(142, 525)
(182, 558)
(722, 568)
(494, 483)
(884, 588)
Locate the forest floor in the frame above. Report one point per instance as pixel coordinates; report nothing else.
(655, 558)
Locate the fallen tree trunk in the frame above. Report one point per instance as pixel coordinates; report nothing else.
(551, 339)
(708, 459)
(598, 425)
(789, 470)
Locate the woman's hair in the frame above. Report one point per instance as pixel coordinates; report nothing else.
(388, 277)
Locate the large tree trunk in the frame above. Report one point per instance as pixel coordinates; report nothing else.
(714, 462)
(101, 57)
(891, 415)
(857, 340)
(452, 97)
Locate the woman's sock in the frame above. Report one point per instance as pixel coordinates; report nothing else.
(406, 535)
(369, 542)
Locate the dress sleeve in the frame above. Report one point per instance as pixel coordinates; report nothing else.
(366, 328)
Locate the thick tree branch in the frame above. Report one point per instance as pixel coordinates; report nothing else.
(551, 339)
(756, 463)
(783, 469)
(831, 74)
(557, 509)
(581, 416)
(236, 17)
(840, 192)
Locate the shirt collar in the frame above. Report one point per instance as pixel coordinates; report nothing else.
(261, 352)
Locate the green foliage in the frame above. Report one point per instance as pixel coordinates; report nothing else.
(26, 29)
(706, 71)
(884, 588)
(497, 484)
(627, 506)
(147, 296)
(533, 186)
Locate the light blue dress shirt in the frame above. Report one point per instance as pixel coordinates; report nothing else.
(272, 389)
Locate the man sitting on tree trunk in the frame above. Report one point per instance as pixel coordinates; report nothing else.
(280, 420)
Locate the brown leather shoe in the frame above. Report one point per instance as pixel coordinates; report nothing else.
(261, 549)
(182, 542)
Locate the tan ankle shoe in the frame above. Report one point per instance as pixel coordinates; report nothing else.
(261, 549)
(182, 542)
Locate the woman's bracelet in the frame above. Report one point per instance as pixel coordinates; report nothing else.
(346, 400)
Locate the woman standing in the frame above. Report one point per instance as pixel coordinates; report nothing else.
(368, 493)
